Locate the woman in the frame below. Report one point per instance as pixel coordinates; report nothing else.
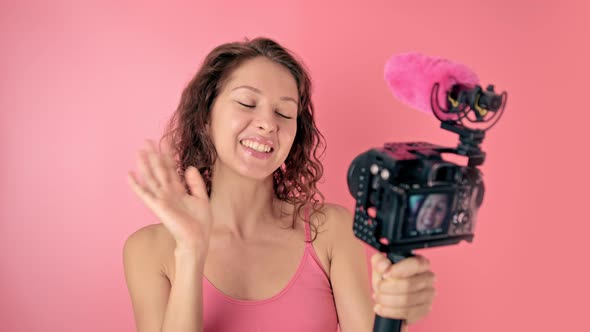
(245, 242)
(433, 212)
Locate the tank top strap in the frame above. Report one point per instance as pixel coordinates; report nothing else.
(307, 227)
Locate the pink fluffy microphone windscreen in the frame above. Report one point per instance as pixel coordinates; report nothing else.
(411, 77)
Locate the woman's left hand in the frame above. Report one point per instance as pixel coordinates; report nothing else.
(404, 290)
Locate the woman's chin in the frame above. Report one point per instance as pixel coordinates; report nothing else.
(256, 174)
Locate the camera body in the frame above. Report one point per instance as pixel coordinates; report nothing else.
(408, 197)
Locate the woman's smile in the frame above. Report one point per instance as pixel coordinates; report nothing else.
(257, 150)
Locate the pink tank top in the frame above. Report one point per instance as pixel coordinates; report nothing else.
(305, 304)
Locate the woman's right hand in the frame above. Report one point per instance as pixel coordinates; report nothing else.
(186, 215)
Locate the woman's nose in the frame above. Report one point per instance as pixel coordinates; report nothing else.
(265, 121)
(430, 213)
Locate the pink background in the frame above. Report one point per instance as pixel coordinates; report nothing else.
(82, 83)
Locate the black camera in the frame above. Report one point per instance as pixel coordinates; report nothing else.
(408, 197)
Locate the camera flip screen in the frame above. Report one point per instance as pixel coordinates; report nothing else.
(427, 214)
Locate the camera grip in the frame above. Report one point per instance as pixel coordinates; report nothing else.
(383, 324)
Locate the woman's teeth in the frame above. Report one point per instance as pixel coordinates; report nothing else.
(256, 146)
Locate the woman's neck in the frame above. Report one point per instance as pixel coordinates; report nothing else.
(241, 205)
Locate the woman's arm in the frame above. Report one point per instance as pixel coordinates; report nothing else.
(349, 272)
(403, 291)
(157, 305)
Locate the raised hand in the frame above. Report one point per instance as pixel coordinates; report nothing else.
(186, 215)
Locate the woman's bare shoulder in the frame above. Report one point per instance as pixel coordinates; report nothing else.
(153, 241)
(334, 222)
(155, 235)
(333, 215)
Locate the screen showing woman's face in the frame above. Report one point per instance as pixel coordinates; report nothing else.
(432, 212)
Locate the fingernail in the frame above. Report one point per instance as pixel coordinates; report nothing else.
(382, 266)
(377, 308)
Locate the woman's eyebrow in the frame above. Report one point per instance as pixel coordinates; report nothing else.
(260, 92)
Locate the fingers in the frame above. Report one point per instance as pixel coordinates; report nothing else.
(164, 166)
(143, 193)
(157, 170)
(167, 154)
(396, 286)
(195, 182)
(383, 268)
(408, 267)
(146, 172)
(420, 297)
(379, 264)
(404, 290)
(409, 314)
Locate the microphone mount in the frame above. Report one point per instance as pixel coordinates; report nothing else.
(462, 101)
(469, 142)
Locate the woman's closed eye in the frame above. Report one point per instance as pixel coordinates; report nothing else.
(284, 116)
(279, 113)
(246, 105)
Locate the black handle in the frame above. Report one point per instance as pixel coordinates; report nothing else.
(383, 324)
(387, 324)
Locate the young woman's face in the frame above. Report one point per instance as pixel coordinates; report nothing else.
(254, 118)
(432, 212)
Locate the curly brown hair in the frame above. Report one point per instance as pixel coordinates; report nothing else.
(295, 181)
